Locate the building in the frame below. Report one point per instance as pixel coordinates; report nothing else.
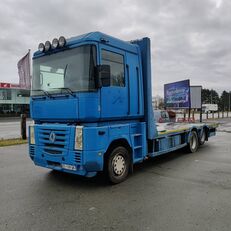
(13, 100)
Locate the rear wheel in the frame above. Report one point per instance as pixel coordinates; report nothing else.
(193, 142)
(202, 137)
(118, 164)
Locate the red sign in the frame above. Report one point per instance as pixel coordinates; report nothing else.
(14, 85)
(9, 85)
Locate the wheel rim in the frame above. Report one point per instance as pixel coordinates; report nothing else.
(118, 164)
(193, 142)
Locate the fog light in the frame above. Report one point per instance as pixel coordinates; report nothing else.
(41, 47)
(47, 45)
(62, 41)
(55, 43)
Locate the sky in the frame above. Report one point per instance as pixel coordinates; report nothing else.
(191, 39)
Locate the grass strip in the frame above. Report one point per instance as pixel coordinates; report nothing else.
(9, 142)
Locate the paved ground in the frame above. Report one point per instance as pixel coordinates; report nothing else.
(11, 128)
(174, 192)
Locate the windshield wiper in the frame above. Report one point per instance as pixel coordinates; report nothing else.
(45, 92)
(65, 71)
(67, 89)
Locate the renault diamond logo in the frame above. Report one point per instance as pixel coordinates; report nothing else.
(52, 137)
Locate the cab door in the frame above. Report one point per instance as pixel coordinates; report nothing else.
(114, 93)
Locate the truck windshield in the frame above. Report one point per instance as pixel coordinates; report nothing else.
(70, 69)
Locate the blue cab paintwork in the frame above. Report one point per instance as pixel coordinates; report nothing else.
(108, 115)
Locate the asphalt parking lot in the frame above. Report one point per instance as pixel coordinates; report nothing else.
(10, 128)
(177, 191)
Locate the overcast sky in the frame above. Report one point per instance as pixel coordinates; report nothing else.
(190, 38)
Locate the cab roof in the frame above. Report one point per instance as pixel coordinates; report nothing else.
(96, 37)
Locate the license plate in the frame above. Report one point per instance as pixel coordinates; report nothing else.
(69, 167)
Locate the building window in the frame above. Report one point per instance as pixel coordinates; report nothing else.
(5, 94)
(23, 93)
(116, 62)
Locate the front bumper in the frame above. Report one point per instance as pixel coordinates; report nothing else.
(60, 152)
(83, 163)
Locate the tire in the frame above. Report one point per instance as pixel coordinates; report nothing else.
(202, 137)
(193, 143)
(117, 166)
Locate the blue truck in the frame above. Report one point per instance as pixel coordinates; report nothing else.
(91, 102)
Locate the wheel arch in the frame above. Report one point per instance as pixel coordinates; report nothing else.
(116, 143)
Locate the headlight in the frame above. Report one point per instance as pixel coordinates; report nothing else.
(79, 137)
(47, 45)
(41, 47)
(32, 139)
(62, 41)
(55, 43)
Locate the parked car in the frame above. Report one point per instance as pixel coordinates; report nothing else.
(161, 116)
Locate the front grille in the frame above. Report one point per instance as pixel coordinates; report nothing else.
(58, 144)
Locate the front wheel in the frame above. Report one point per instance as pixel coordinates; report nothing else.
(193, 142)
(118, 164)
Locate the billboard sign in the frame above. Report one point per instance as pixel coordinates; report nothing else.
(177, 94)
(195, 95)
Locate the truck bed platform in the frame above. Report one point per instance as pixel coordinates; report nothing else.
(171, 128)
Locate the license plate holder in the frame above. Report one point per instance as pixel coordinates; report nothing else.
(69, 167)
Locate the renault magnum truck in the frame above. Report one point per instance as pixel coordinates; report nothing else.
(91, 102)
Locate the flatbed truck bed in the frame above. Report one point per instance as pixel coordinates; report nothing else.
(171, 128)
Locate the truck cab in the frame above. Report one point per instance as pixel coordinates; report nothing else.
(91, 78)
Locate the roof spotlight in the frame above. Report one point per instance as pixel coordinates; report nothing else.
(62, 41)
(41, 47)
(55, 43)
(47, 45)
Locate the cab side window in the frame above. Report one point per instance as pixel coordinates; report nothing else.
(116, 62)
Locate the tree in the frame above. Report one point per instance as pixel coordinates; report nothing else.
(209, 96)
(225, 101)
(214, 97)
(158, 102)
(205, 95)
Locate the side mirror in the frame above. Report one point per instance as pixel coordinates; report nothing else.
(103, 76)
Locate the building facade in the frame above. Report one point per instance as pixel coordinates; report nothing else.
(13, 100)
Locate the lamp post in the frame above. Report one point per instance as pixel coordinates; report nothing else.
(229, 100)
(229, 103)
(211, 96)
